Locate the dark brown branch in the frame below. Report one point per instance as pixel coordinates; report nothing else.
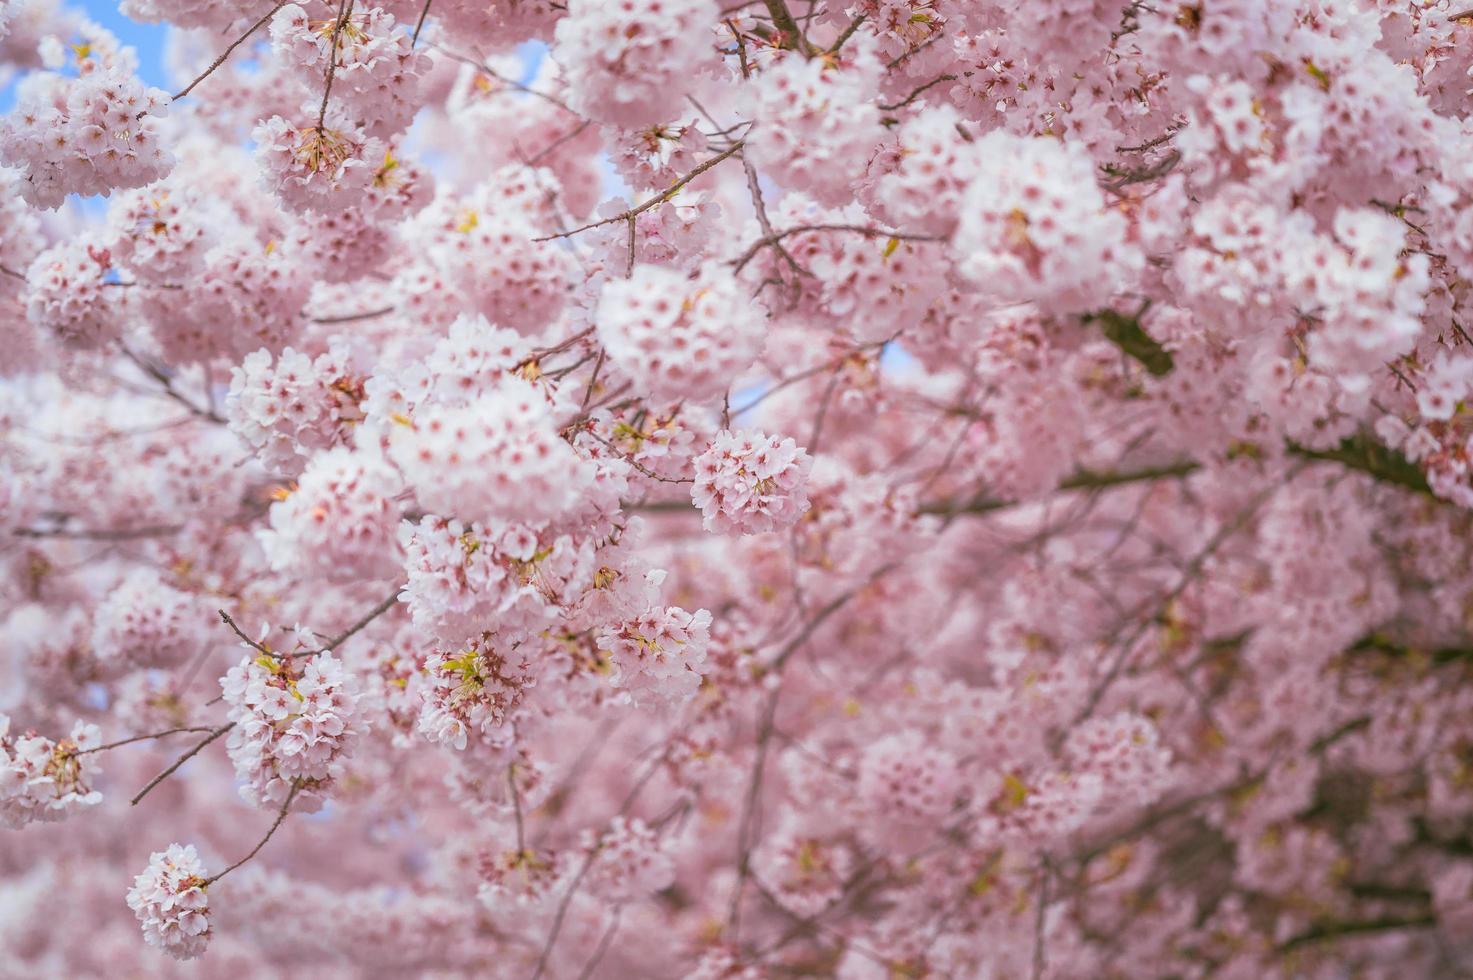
(419, 25)
(348, 633)
(99, 534)
(1044, 874)
(843, 38)
(918, 92)
(254, 644)
(1334, 930)
(782, 19)
(1082, 480)
(1360, 452)
(353, 317)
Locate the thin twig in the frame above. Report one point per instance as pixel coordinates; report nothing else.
(567, 899)
(137, 738)
(425, 12)
(374, 613)
(1038, 922)
(749, 814)
(659, 198)
(280, 816)
(345, 10)
(918, 92)
(550, 148)
(181, 760)
(227, 52)
(604, 944)
(103, 534)
(490, 72)
(868, 232)
(254, 644)
(352, 317)
(516, 808)
(157, 374)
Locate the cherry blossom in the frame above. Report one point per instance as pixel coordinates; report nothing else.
(663, 489)
(169, 899)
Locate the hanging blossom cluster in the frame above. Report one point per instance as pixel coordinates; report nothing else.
(170, 901)
(867, 489)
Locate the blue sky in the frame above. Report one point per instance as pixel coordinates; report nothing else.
(146, 39)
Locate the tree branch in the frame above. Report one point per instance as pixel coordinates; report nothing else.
(659, 198)
(280, 816)
(227, 52)
(180, 761)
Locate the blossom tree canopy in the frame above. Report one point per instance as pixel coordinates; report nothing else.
(668, 489)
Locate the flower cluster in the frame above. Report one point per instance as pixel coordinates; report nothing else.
(258, 289)
(1034, 227)
(658, 656)
(66, 295)
(748, 483)
(295, 723)
(627, 62)
(287, 409)
(45, 780)
(629, 862)
(467, 579)
(799, 140)
(340, 520)
(679, 338)
(470, 692)
(496, 458)
(316, 168)
(146, 622)
(87, 135)
(169, 899)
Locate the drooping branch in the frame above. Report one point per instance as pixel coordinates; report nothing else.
(280, 816)
(345, 10)
(419, 24)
